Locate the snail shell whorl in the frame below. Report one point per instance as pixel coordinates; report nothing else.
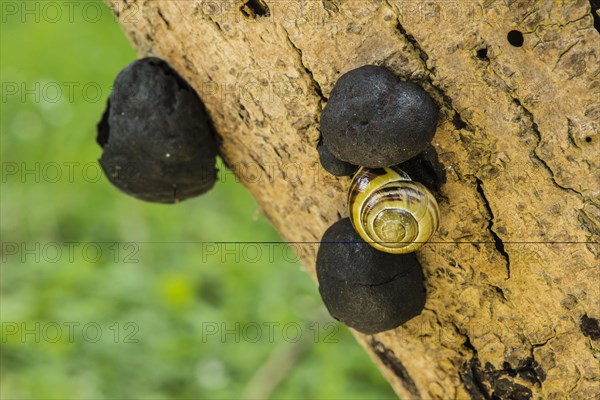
(391, 212)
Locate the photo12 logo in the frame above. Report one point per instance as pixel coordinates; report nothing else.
(51, 172)
(251, 253)
(69, 331)
(52, 12)
(70, 252)
(270, 332)
(52, 92)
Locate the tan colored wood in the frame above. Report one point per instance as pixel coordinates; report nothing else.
(513, 278)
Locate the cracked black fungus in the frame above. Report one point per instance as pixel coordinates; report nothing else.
(366, 289)
(332, 164)
(156, 136)
(374, 119)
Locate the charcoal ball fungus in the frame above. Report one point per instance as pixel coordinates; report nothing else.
(373, 119)
(157, 140)
(366, 289)
(333, 165)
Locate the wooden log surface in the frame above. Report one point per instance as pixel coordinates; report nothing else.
(512, 275)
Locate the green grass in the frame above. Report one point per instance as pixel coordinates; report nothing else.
(154, 313)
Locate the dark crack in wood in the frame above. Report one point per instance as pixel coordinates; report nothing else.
(534, 128)
(498, 243)
(255, 9)
(389, 359)
(315, 84)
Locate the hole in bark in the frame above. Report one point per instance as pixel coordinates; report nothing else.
(515, 38)
(482, 54)
(590, 327)
(255, 8)
(458, 122)
(595, 5)
(588, 139)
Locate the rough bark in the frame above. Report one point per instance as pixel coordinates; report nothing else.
(512, 276)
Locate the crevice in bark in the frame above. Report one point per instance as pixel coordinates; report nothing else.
(590, 327)
(255, 9)
(458, 123)
(490, 383)
(528, 369)
(473, 380)
(389, 359)
(595, 6)
(314, 82)
(561, 55)
(497, 241)
(570, 133)
(470, 373)
(500, 293)
(165, 20)
(534, 127)
(411, 39)
(457, 120)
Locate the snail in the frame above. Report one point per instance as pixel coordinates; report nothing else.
(390, 211)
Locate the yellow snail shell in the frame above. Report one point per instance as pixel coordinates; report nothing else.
(390, 211)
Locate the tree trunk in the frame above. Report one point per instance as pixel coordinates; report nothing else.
(512, 275)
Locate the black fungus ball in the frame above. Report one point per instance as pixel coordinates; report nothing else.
(375, 120)
(156, 135)
(366, 289)
(332, 164)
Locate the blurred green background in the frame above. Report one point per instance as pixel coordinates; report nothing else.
(104, 296)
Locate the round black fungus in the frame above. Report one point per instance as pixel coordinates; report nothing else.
(364, 288)
(375, 120)
(156, 135)
(332, 164)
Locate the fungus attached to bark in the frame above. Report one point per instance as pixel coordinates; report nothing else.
(364, 288)
(332, 164)
(374, 119)
(156, 135)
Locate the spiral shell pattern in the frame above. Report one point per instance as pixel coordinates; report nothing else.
(390, 211)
